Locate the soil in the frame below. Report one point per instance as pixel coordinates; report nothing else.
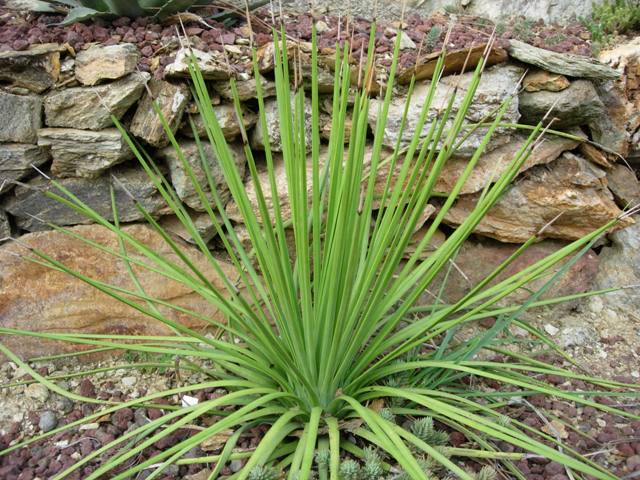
(609, 440)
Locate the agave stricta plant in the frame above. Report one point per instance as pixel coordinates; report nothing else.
(318, 346)
(79, 10)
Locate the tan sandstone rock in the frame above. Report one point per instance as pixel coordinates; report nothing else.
(542, 80)
(570, 188)
(35, 297)
(106, 62)
(172, 99)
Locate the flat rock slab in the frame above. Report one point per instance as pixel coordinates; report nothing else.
(91, 107)
(495, 85)
(36, 69)
(29, 203)
(213, 65)
(172, 98)
(84, 153)
(227, 119)
(17, 161)
(489, 167)
(570, 191)
(454, 62)
(562, 63)
(106, 62)
(20, 118)
(34, 297)
(181, 179)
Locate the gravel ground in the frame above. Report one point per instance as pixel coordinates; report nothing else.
(27, 410)
(158, 41)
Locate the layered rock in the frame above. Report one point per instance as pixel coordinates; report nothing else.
(212, 65)
(171, 99)
(180, 176)
(227, 119)
(31, 207)
(106, 62)
(246, 89)
(92, 107)
(36, 69)
(34, 297)
(272, 120)
(84, 153)
(17, 161)
(201, 221)
(478, 258)
(496, 84)
(578, 104)
(568, 196)
(489, 167)
(624, 185)
(21, 117)
(5, 226)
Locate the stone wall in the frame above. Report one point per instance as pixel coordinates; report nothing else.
(56, 119)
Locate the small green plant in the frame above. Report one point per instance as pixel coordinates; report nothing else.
(611, 18)
(523, 29)
(80, 10)
(262, 472)
(425, 430)
(486, 473)
(431, 39)
(349, 470)
(372, 467)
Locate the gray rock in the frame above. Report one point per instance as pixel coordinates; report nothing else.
(180, 177)
(576, 336)
(272, 117)
(624, 185)
(139, 417)
(63, 404)
(37, 392)
(619, 268)
(201, 220)
(21, 117)
(106, 62)
(227, 119)
(236, 465)
(91, 107)
(246, 89)
(83, 153)
(17, 161)
(48, 421)
(610, 130)
(29, 201)
(574, 106)
(5, 226)
(496, 83)
(36, 69)
(172, 98)
(213, 65)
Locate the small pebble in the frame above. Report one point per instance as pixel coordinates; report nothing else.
(48, 421)
(37, 392)
(129, 381)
